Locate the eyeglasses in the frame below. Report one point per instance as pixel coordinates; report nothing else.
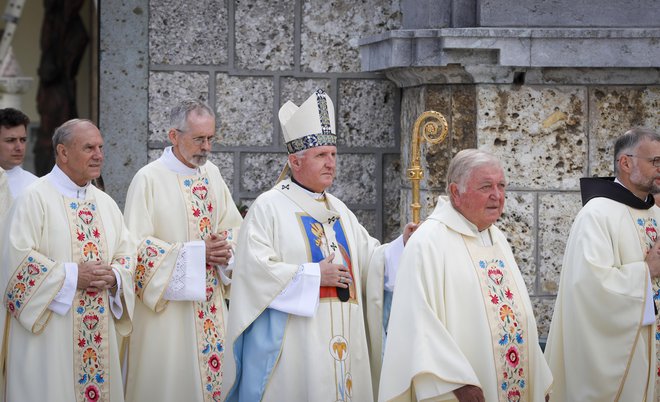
(654, 161)
(200, 140)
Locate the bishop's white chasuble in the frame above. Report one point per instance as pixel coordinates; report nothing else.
(275, 356)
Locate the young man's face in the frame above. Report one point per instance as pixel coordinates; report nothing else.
(12, 146)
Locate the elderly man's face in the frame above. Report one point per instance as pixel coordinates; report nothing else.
(316, 169)
(644, 177)
(193, 146)
(482, 202)
(12, 146)
(82, 157)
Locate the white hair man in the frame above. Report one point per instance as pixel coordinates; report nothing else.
(67, 275)
(462, 326)
(184, 217)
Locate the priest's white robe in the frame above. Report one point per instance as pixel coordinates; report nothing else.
(288, 357)
(19, 179)
(177, 346)
(455, 323)
(5, 196)
(74, 356)
(597, 348)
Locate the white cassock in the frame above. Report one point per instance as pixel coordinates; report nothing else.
(19, 179)
(62, 342)
(461, 315)
(5, 195)
(602, 341)
(288, 338)
(177, 345)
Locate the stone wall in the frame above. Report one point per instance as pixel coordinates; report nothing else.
(246, 59)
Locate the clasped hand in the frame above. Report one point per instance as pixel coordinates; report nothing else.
(94, 276)
(218, 249)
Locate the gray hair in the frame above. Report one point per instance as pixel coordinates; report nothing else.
(179, 113)
(63, 132)
(629, 141)
(464, 162)
(298, 155)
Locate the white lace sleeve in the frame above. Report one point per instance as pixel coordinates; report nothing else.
(188, 280)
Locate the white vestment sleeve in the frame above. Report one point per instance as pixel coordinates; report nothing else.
(301, 296)
(649, 310)
(64, 298)
(392, 257)
(188, 281)
(225, 270)
(115, 300)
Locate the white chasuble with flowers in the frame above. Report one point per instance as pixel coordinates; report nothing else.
(324, 357)
(599, 347)
(74, 356)
(165, 210)
(647, 229)
(461, 316)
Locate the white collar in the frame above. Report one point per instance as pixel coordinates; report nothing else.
(65, 185)
(174, 164)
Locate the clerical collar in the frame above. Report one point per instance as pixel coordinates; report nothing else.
(314, 195)
(593, 187)
(65, 185)
(174, 164)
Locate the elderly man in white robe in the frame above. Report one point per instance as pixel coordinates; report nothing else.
(13, 141)
(305, 272)
(67, 274)
(603, 337)
(462, 326)
(182, 212)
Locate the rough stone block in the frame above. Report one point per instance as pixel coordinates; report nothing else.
(165, 90)
(612, 112)
(355, 182)
(188, 33)
(367, 218)
(543, 309)
(537, 132)
(225, 162)
(245, 110)
(264, 35)
(556, 214)
(297, 90)
(366, 113)
(330, 31)
(260, 171)
(517, 223)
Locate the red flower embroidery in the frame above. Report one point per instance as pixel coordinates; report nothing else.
(91, 321)
(80, 236)
(96, 233)
(200, 314)
(150, 264)
(210, 207)
(82, 302)
(494, 299)
(19, 277)
(213, 309)
(81, 342)
(512, 356)
(214, 363)
(514, 395)
(98, 338)
(508, 293)
(92, 393)
(11, 307)
(196, 212)
(31, 282)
